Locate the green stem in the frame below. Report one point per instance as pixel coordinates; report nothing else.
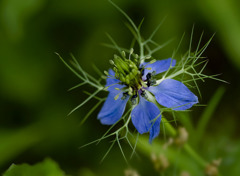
(194, 155)
(186, 147)
(169, 127)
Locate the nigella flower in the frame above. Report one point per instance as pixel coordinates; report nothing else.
(131, 80)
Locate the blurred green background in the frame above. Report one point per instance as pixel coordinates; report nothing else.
(34, 101)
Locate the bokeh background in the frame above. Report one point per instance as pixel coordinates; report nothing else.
(34, 101)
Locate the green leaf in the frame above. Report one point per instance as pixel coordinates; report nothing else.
(46, 168)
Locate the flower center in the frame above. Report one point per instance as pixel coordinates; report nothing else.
(130, 74)
(127, 72)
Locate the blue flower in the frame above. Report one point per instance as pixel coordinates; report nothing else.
(145, 116)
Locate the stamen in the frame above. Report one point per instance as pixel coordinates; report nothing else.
(148, 57)
(125, 95)
(103, 77)
(153, 61)
(130, 91)
(106, 73)
(111, 62)
(148, 76)
(131, 52)
(123, 54)
(141, 70)
(116, 97)
(144, 94)
(148, 83)
(136, 56)
(154, 73)
(134, 99)
(153, 82)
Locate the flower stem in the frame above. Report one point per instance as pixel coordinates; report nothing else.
(186, 147)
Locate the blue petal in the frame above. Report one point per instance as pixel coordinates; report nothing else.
(174, 94)
(146, 118)
(112, 109)
(159, 66)
(112, 82)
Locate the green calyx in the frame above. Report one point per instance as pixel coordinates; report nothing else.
(127, 71)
